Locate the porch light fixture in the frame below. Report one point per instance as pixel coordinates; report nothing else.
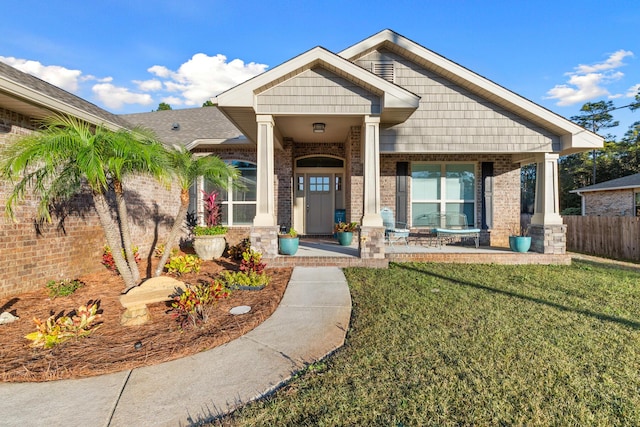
(318, 128)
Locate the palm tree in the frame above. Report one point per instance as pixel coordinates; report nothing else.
(187, 168)
(56, 162)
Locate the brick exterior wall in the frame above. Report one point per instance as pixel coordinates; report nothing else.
(31, 254)
(610, 203)
(506, 190)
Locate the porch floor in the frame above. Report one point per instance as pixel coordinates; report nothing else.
(326, 251)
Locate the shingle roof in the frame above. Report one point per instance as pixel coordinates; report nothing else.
(630, 181)
(193, 124)
(60, 96)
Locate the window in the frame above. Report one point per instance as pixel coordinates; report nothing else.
(637, 204)
(442, 188)
(238, 207)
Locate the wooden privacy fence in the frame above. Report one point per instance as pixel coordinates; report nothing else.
(615, 237)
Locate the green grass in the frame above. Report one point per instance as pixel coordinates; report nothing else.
(442, 344)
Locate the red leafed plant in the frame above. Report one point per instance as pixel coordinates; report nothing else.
(252, 261)
(212, 208)
(109, 262)
(190, 306)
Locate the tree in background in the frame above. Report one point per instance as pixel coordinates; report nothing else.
(208, 103)
(596, 116)
(163, 106)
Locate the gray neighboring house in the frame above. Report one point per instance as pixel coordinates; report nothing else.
(617, 197)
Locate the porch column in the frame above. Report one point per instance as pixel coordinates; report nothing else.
(547, 204)
(371, 166)
(265, 196)
(548, 233)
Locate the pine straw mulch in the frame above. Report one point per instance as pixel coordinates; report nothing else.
(111, 348)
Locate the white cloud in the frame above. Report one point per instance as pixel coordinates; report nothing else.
(115, 97)
(632, 91)
(148, 85)
(614, 61)
(203, 76)
(56, 75)
(589, 81)
(173, 100)
(195, 81)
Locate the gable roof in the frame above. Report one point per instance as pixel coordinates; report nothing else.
(238, 102)
(33, 97)
(196, 127)
(574, 137)
(626, 182)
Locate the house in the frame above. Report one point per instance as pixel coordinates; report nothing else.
(383, 123)
(389, 123)
(616, 197)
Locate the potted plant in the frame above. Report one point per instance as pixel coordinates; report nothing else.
(519, 241)
(209, 241)
(344, 232)
(288, 242)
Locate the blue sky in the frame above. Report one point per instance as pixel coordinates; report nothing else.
(128, 56)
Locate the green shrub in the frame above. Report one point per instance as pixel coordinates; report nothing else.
(233, 279)
(58, 329)
(183, 264)
(215, 230)
(63, 288)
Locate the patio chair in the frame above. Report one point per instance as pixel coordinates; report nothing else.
(393, 232)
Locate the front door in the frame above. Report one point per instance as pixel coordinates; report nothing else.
(319, 199)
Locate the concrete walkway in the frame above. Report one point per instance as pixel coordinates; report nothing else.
(310, 323)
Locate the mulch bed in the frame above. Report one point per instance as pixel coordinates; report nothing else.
(111, 348)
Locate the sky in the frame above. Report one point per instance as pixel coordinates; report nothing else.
(127, 56)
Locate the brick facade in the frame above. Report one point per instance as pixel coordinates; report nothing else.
(31, 253)
(610, 203)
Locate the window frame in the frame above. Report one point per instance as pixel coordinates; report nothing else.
(443, 199)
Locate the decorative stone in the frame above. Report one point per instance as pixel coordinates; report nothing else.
(7, 317)
(241, 309)
(156, 289)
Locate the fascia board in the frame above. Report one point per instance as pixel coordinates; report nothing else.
(34, 97)
(626, 187)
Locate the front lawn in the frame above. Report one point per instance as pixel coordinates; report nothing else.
(442, 344)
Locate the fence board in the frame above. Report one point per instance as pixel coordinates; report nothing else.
(610, 236)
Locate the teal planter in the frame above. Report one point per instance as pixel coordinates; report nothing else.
(345, 237)
(519, 243)
(288, 245)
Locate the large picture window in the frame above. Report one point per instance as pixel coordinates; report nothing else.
(237, 207)
(442, 188)
(637, 204)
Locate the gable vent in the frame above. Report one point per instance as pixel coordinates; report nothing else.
(384, 70)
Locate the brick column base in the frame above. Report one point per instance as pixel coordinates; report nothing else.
(548, 239)
(371, 242)
(265, 240)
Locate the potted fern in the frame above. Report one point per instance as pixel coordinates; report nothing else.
(288, 242)
(209, 241)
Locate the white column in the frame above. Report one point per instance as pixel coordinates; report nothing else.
(371, 166)
(547, 204)
(265, 197)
